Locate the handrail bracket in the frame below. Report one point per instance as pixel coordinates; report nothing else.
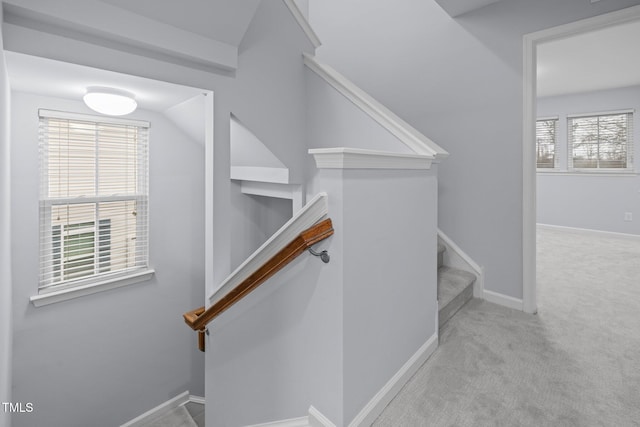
(324, 255)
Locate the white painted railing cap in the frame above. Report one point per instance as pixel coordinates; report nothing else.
(358, 158)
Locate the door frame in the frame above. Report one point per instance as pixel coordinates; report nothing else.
(530, 43)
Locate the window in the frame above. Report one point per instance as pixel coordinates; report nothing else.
(601, 141)
(93, 199)
(74, 249)
(546, 131)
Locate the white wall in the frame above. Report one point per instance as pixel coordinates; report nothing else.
(589, 200)
(106, 358)
(5, 240)
(459, 81)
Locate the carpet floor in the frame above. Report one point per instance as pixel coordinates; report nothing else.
(575, 363)
(177, 417)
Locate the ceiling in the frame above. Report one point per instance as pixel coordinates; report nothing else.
(182, 105)
(458, 7)
(222, 20)
(603, 59)
(214, 24)
(58, 79)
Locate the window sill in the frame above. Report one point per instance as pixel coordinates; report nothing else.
(92, 288)
(587, 173)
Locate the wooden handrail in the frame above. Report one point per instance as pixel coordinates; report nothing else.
(199, 318)
(191, 316)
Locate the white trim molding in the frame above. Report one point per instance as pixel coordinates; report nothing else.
(292, 192)
(317, 419)
(260, 174)
(402, 130)
(160, 410)
(602, 113)
(304, 24)
(314, 419)
(587, 231)
(457, 258)
(292, 422)
(311, 213)
(529, 169)
(54, 296)
(357, 158)
(376, 405)
(196, 399)
(503, 300)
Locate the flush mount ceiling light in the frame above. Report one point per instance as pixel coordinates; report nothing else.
(113, 102)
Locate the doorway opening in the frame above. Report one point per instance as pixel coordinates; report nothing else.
(532, 44)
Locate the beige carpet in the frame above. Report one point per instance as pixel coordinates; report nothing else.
(576, 363)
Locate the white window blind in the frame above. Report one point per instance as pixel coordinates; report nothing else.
(601, 141)
(546, 137)
(93, 198)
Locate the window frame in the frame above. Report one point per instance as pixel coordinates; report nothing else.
(629, 146)
(49, 290)
(556, 158)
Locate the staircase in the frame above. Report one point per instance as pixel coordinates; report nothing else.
(455, 288)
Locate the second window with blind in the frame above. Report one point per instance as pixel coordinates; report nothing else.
(93, 199)
(594, 142)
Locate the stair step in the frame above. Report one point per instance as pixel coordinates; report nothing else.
(455, 288)
(441, 249)
(196, 410)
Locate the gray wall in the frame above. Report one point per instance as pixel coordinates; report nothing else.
(386, 221)
(389, 283)
(285, 346)
(269, 97)
(104, 359)
(334, 121)
(278, 351)
(459, 81)
(5, 240)
(255, 219)
(589, 200)
(273, 354)
(248, 150)
(268, 93)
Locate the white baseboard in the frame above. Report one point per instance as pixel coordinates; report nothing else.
(376, 405)
(314, 419)
(457, 258)
(159, 410)
(196, 399)
(589, 231)
(317, 419)
(293, 422)
(503, 300)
